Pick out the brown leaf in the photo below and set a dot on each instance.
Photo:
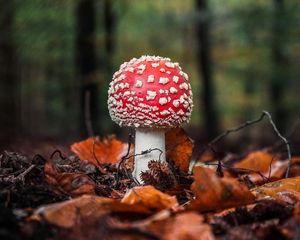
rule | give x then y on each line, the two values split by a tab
287	190
213	192
151	198
189	226
74	184
179	148
261	161
100	151
67	213
295	167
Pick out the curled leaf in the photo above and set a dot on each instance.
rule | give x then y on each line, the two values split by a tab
179	148
74	184
65	214
265	163
287	190
189	225
213	192
100	151
151	198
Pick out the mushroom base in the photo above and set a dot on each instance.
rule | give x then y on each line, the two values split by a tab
152	140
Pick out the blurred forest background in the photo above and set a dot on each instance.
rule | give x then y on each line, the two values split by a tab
57	59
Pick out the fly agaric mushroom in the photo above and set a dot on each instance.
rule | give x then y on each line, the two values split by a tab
151	94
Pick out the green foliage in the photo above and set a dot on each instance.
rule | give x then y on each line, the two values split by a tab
241	34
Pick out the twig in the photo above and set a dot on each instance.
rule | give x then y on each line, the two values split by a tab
147	152
244	170
290	132
59	153
123	158
20	177
101	170
128	156
23	174
284	140
227	132
247	124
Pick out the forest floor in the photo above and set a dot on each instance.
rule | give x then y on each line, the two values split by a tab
87	192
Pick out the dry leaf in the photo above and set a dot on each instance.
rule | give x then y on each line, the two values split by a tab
295	167
65	214
74	184
100	151
179	148
151	198
189	226
261	161
213	192
287	190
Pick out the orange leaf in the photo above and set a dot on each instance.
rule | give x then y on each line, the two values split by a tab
213	192
74	184
261	161
179	148
287	189
150	197
100	151
188	225
295	167
67	213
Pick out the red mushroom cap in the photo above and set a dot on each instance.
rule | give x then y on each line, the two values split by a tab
150	92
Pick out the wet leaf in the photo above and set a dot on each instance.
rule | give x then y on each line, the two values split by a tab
74	184
67	213
179	148
261	161
213	192
100	151
151	198
287	190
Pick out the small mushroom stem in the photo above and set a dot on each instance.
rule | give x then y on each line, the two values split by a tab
146	139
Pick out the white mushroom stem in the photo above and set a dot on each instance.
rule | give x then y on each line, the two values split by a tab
148	139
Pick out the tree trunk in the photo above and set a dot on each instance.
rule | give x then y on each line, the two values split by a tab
109	24
86	66
9	95
278	74
205	68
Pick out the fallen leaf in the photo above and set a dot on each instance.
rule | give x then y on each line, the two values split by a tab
100	151
74	184
179	148
262	161
295	167
213	192
67	213
207	156
151	198
189	226
287	190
